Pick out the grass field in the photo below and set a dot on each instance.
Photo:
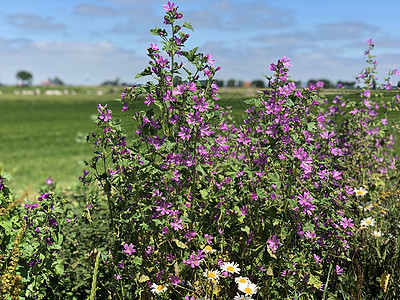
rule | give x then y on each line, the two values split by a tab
42	136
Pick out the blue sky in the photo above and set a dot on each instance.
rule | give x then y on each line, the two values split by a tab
90	41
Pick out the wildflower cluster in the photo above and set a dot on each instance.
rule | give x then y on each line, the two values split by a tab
287	204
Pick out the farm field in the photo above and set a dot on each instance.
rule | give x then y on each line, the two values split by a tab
44	135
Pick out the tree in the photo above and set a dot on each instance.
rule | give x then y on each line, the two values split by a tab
219	82
230	83
178	80
258	83
56	81
25	77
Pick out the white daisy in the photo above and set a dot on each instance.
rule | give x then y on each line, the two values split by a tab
209	249
240	297
158	288
367	206
377	233
230	267
360	192
241	280
212	275
248	288
368	222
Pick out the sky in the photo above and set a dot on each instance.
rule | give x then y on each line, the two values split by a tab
86	42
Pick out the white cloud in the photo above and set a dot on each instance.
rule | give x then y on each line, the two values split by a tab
91	10
32	22
72	62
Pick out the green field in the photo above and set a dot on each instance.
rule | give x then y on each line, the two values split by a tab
42	136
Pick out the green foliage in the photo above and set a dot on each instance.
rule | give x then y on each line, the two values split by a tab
298	201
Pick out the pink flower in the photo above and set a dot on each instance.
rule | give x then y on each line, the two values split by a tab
346	222
370	42
169	6
367	93
176	224
210	60
338	270
129	249
273	243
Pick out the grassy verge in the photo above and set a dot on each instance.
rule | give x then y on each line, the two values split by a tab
43	136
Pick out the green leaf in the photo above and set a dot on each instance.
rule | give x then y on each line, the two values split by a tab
59	238
311	126
246	229
271	253
138	260
6	223
253	102
188	26
314	281
180	244
204	194
269	271
275	179
144	278
200	169
58	267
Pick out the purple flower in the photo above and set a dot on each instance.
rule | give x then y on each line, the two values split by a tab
49	181
273	243
209	238
336	174
31	263
346	222
194	260
305	201
184	134
310	235
318	260
117	277
52	222
48	241
169	6
105	114
149	250
176	224
336	151
338	270
129	249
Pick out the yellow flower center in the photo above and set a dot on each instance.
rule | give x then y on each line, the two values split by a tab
242	280
211	274
230	269
368	222
248	290
160	287
208	248
359	192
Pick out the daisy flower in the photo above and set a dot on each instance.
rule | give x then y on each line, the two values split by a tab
240	297
212	275
368	222
360	192
377	233
209	249
367	206
242	280
230	267
158	288
248	288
